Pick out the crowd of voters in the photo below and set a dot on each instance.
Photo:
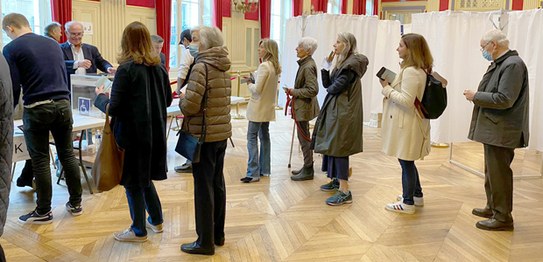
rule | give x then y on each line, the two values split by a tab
38	70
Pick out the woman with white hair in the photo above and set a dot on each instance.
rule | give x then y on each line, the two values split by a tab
338	130
261	110
304	103
208	92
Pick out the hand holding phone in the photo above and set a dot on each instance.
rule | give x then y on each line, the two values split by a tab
330	56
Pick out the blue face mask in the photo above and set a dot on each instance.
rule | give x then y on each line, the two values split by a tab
193	49
487	55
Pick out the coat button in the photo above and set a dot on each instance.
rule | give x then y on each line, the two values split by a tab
390	117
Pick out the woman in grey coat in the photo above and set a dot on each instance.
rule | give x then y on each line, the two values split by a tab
6	142
338	131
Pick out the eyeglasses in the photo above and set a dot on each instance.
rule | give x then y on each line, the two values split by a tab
483	48
75	34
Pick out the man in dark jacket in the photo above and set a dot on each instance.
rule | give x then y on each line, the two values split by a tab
500	122
37	65
6	142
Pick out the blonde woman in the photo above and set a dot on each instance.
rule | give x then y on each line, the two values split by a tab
261	110
405	133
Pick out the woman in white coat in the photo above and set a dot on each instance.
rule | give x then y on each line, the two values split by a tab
405	133
261	110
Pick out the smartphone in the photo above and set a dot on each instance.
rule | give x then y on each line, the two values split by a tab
331	56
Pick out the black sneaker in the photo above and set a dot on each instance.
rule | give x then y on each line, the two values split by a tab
35	218
75	211
333	185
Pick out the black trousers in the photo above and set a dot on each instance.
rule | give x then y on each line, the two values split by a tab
499	181
210	193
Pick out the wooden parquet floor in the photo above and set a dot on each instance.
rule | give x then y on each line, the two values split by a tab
277	219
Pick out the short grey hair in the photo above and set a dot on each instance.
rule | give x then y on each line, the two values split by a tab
498	36
72	23
309	44
210	37
157	39
49	28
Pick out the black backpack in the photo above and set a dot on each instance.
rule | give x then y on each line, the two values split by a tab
434	99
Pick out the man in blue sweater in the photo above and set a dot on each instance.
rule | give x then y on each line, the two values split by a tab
37	66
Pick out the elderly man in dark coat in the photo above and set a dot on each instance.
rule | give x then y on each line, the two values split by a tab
6	142
499	121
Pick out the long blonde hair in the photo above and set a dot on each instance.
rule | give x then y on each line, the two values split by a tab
350	47
418	52
136	45
272	53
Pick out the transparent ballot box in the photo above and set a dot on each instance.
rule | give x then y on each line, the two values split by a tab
83	93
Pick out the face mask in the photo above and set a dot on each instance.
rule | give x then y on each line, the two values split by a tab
193	49
487	55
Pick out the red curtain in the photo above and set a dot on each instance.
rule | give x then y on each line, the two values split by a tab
320	5
344	6
163	25
443	5
359	7
217	10
265	18
297	7
376	8
62	13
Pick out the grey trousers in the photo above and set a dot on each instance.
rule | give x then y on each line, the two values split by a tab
499	181
303	130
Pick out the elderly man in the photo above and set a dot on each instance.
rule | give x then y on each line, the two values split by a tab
53	30
37	66
158	43
500	122
82	58
304	103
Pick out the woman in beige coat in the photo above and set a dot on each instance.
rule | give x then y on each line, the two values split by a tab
405	133
261	110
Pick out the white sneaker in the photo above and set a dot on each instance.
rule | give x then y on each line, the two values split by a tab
419	201
128	236
400	207
157	229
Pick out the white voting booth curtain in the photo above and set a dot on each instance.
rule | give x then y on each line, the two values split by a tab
525	32
324	28
454	39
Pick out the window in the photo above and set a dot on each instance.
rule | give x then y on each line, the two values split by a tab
369	7
38	13
186	14
280	12
334	6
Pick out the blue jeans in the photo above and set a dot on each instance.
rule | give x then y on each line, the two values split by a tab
258	164
139	200
55	117
410	181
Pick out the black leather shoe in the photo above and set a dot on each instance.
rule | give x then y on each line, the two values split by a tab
495	225
195	248
21	182
295	172
482	212
219	241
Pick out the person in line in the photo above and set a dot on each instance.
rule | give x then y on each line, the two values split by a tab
158	43
338	130
6	143
188	53
209	74
500	121
37	65
261	110
53	30
405	132
304	103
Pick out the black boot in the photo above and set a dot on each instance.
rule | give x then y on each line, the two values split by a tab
306	174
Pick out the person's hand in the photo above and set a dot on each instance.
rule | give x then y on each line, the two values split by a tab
287	90
85	63
469	94
383	82
99	90
112	70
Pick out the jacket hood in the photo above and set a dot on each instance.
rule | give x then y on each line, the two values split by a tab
358	63
216	57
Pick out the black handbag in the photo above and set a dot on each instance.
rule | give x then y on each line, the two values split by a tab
188	145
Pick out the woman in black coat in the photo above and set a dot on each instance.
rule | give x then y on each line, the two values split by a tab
139	98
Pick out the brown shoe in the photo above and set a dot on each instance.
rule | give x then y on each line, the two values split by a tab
482	212
495	225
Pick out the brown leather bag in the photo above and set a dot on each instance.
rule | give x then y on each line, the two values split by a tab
108	166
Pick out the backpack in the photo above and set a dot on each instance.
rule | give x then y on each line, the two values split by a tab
434	99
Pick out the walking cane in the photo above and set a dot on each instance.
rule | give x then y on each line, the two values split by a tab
291	143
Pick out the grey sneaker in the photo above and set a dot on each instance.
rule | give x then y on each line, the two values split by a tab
333	185
75	211
128	236
340	198
35	218
419	201
156	228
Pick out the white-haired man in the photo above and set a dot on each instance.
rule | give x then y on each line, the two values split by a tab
500	122
304	103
